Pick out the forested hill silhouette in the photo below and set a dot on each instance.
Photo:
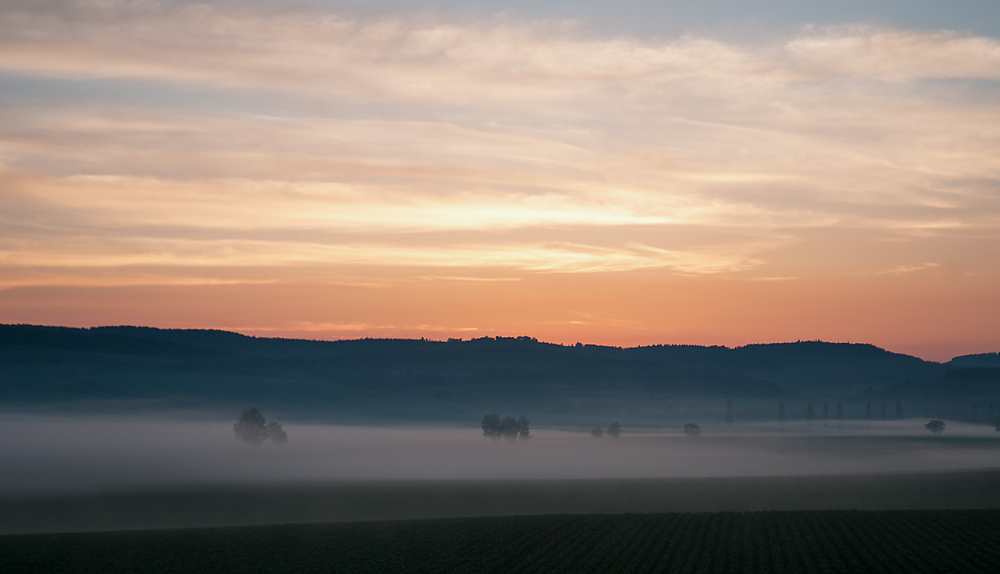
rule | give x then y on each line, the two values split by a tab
419	379
984	360
807	366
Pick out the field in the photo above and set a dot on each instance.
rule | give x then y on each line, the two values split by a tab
910	541
193	506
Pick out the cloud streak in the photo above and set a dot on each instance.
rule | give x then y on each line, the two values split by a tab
411	57
557	257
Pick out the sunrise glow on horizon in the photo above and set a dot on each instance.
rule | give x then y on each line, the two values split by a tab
325	171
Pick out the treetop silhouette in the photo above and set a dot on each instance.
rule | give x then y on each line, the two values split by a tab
252	428
508	428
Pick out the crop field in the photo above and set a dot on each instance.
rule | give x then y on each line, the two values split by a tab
905	541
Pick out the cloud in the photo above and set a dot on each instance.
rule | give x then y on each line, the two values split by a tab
541	257
417	57
867	51
328	139
901	269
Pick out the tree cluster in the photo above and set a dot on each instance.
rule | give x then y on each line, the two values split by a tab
692	429
508	428
614	431
251	428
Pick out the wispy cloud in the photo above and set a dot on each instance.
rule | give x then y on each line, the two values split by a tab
429	142
867	51
536	257
901	269
414	57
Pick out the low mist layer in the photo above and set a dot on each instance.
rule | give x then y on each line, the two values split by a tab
48	455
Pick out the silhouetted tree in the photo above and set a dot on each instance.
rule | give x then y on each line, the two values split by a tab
868	411
975	412
509	429
993	416
597	432
826	412
522	428
275	432
882	413
615	430
899	410
729	413
491	426
251	428
781	412
840	411
935	426
692	429
810	413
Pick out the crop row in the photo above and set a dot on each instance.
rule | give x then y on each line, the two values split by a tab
821	542
903	542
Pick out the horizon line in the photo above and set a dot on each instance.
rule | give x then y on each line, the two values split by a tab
518	338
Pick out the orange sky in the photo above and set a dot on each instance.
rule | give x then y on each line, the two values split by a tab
330	176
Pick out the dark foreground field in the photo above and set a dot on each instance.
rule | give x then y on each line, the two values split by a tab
909	541
298	503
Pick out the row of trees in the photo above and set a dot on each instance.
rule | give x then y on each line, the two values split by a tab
825	415
935	426
511	429
991	417
507	429
883	414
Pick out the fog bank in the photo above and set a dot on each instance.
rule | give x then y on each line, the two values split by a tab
50	455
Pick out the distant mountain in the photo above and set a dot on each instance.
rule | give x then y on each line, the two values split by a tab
980	360
811	368
379	380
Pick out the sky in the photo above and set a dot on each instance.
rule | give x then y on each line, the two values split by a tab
720	172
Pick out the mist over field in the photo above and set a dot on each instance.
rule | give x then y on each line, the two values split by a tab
51	455
118	428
